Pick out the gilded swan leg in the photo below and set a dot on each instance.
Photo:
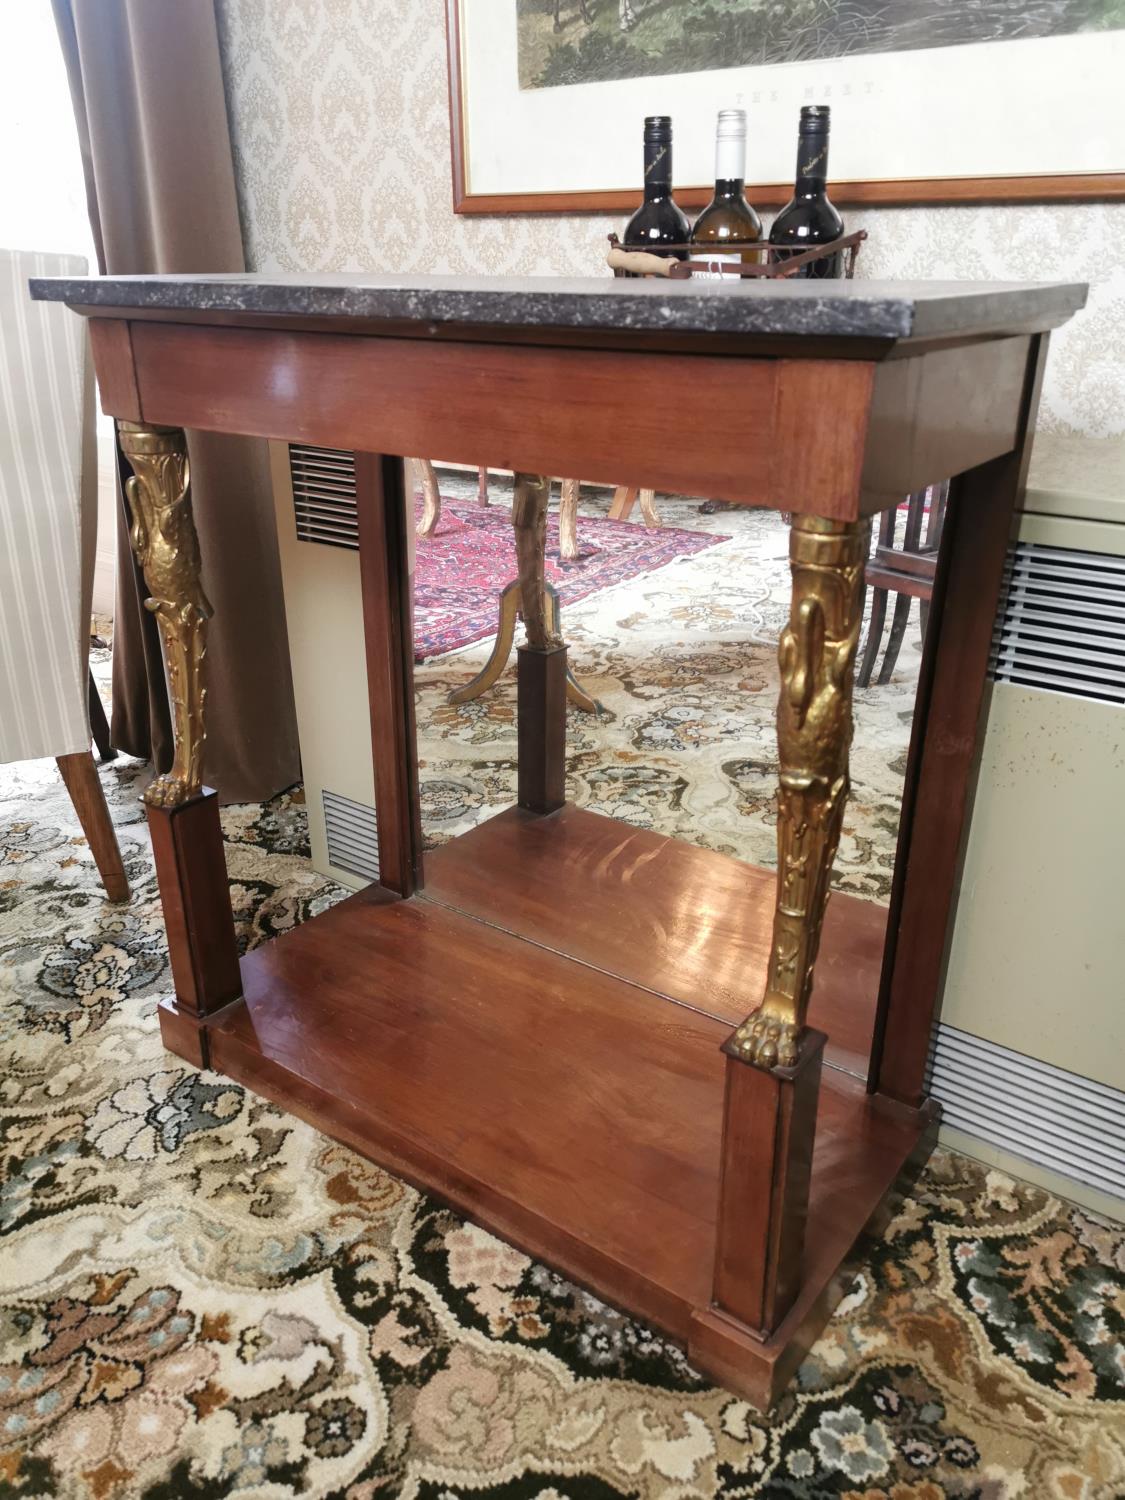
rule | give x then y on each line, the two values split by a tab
814	729
167	548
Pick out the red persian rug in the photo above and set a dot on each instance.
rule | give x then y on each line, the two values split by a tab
463	566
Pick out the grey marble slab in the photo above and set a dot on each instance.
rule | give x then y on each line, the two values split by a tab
886	310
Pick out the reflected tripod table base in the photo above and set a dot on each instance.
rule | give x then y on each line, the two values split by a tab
493	669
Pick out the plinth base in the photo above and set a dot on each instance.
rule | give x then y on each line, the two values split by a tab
568	1107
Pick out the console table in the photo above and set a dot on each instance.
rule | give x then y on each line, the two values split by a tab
605	1045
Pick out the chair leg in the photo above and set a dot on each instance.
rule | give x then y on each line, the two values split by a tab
624	497
874	637
568	520
894	640
88	796
482	487
649	511
99	727
431	497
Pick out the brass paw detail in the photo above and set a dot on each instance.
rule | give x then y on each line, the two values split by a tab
168	791
767	1042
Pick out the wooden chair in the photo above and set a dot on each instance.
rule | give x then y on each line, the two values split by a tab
623	501
906	571
47	498
431	494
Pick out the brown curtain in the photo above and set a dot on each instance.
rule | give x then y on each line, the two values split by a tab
147	86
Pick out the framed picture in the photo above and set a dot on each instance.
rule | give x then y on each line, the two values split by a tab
962	101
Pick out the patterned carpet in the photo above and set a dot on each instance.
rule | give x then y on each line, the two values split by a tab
470	556
201	1297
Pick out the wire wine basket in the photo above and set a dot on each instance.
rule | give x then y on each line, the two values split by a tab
625	262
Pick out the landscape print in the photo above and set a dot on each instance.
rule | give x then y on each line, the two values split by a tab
589	41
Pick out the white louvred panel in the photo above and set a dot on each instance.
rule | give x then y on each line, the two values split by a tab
1058	1120
1061	625
351	834
324	500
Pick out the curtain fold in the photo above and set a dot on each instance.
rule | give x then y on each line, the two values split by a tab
147	86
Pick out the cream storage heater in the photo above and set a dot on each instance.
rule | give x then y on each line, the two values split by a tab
1029	1053
314	494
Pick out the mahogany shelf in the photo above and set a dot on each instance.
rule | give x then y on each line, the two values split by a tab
686	923
577	1113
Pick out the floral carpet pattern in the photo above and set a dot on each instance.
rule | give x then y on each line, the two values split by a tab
201	1296
463	564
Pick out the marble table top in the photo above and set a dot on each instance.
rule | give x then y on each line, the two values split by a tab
880	310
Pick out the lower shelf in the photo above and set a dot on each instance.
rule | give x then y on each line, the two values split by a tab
572	1111
683	922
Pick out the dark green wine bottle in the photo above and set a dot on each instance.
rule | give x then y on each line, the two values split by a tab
659	221
809	219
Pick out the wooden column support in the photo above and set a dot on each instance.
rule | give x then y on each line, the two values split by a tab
541	742
944	747
542	678
388	627
769	1125
191	872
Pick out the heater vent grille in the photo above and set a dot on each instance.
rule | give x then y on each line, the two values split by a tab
1061	625
1056	1119
324	501
352	835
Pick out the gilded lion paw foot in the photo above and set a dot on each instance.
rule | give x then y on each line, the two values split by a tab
168	791
767	1042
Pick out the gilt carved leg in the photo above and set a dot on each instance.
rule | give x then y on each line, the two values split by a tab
183	814
167	548
814	730
773	1058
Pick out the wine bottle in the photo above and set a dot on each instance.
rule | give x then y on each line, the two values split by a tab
728	221
809	219
659	221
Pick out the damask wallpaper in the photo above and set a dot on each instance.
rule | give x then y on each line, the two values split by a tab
341	135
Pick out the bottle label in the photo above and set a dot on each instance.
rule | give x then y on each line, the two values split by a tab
658	165
715	263
812	157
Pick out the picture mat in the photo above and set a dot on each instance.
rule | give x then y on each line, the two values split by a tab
994	109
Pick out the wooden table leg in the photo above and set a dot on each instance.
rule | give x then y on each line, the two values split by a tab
541	753
941	764
773	1060
388	628
183	815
